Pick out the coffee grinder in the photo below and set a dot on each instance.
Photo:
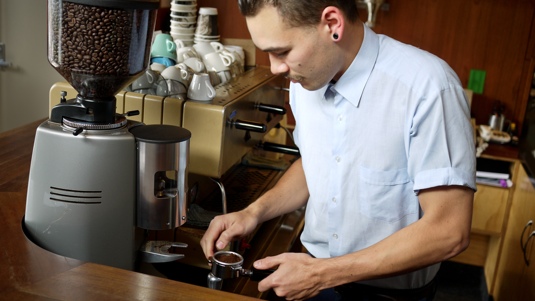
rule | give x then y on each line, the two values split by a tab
98	181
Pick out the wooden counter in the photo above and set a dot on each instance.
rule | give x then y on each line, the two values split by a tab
31	273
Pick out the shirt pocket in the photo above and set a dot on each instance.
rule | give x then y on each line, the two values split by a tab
386	195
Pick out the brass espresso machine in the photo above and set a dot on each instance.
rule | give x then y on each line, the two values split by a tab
100	182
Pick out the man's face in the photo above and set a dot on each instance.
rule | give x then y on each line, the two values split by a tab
299	53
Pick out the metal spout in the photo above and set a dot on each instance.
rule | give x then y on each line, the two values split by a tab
214	282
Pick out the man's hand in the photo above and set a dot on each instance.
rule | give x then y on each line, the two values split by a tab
297	275
225	228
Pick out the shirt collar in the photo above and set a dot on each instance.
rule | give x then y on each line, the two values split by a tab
352	82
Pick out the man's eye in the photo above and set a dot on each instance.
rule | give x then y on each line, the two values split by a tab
281	54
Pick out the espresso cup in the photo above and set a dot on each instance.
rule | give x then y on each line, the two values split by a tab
214	78
157	67
203	48
185	53
237	50
163	47
216	62
178	73
224	76
176	88
201	88
195	64
145	81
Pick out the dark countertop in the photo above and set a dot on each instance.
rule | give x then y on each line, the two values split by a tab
501	151
31	273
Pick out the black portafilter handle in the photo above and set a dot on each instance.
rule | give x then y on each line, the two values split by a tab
258	275
273	109
280	148
247	125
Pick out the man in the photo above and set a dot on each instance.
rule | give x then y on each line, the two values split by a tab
387	167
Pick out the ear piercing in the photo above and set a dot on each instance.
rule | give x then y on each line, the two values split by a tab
335	36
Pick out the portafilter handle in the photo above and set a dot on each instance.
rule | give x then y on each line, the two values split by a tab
256	274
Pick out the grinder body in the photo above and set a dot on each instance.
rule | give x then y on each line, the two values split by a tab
81	199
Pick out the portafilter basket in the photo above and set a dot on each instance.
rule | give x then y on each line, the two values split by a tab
228	265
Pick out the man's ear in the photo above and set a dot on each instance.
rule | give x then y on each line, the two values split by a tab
332	21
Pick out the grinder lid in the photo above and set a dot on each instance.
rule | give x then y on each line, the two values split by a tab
124	4
160	133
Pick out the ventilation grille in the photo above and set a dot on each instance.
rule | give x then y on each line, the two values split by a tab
75	196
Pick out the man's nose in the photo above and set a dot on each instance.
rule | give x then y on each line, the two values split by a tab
278	66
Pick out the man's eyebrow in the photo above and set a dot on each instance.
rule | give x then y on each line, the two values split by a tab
274	49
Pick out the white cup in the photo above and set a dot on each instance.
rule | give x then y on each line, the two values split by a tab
184	53
157	67
161	88
217	46
182	30
200	88
145	80
183	7
181	37
186	74
179	43
224	76
214	78
195	64
215	61
204	48
176	88
172	72
236	49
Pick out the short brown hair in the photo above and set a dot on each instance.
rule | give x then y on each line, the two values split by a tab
298	13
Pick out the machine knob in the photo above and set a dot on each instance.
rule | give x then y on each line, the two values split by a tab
132	113
63	98
249	126
273	109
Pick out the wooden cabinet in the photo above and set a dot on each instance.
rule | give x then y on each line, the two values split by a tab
515	279
490	205
489	221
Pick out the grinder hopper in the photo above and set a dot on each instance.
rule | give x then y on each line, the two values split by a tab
98	47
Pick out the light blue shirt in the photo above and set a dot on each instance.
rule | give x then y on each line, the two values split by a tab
396	122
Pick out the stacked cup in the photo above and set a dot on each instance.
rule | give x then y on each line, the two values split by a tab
183	20
207	26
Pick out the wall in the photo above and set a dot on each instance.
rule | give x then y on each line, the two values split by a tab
491	35
24	86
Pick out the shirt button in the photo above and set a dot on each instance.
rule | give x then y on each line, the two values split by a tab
334	200
338	159
335	236
340	118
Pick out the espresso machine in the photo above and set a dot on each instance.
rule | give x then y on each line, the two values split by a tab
98	181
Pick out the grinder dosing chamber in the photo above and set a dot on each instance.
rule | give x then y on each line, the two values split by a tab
162	160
